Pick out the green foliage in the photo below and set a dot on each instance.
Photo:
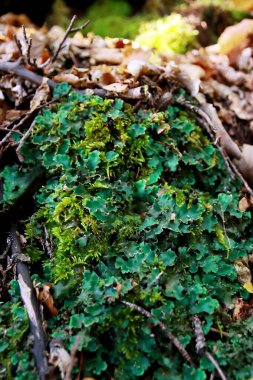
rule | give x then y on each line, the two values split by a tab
168	34
15	364
139	208
117	20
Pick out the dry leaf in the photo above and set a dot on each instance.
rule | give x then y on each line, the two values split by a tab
106	55
245	163
45	297
235	36
189	75
245	203
116	87
243	270
59	357
248	286
241	310
41	95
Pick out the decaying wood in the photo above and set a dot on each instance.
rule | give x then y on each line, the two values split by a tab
30	301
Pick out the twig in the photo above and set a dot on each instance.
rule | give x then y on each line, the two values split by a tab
30	301
220	332
22	72
81	27
232	169
14	129
68	30
201	345
74	350
25	136
164	329
5	252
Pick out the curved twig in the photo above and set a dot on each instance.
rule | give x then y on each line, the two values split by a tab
201	345
164	329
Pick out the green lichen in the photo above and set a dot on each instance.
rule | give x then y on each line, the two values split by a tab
138	207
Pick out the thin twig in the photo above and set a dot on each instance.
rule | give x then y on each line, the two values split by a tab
68	30
216	365
5	252
162	326
81	27
220	332
74	351
201	345
30	301
25	136
13	130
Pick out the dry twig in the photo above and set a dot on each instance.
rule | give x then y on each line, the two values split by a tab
164	329
201	345
30	301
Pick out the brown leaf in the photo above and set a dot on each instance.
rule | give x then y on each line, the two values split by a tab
243	270
245	203
41	95
190	76
116	87
106	55
45	297
242	310
71	79
245	163
15	20
235	36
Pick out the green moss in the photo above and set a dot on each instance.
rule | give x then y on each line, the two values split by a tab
168	34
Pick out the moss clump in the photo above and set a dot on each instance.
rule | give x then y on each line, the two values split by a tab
168	34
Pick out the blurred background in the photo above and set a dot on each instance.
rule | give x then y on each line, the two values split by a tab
164	24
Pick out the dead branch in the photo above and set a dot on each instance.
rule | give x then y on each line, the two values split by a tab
201	345
25	136
164	329
17	69
73	354
68	30
224	333
231	167
30	301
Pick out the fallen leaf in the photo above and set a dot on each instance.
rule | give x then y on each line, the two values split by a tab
45	297
59	356
243	270
15	20
41	95
116	87
245	203
245	163
248	286
235	36
190	76
242	310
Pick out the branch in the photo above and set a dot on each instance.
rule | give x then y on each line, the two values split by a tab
30	301
68	30
201	345
164	329
17	69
